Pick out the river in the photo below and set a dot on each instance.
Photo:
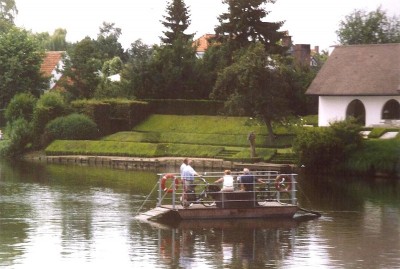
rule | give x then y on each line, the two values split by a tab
59	216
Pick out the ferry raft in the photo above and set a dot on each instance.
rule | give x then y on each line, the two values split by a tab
272	196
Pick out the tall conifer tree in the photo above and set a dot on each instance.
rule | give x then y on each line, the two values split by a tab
176	21
244	24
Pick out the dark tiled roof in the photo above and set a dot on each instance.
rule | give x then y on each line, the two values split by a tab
360	70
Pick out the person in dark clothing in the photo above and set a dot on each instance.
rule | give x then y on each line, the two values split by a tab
247	180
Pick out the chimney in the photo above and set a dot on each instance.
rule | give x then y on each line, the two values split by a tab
302	54
287	41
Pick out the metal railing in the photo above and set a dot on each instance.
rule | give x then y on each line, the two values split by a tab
270	186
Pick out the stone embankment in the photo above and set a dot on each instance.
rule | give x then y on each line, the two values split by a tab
163	164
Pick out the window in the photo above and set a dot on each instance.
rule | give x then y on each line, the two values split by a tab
391	110
356	110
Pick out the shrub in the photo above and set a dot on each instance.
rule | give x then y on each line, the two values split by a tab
376	156
50	106
20	106
20	138
348	132
112	115
74	127
317	148
327	148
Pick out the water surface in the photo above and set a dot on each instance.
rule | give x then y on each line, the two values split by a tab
58	216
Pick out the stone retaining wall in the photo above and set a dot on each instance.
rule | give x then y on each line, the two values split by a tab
163	164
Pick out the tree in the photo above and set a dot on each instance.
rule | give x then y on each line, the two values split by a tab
49	106
107	87
8	10
20	61
374	27
55	42
107	42
171	72
244	24
85	59
82	66
136	72
175	71
20	106
177	21
254	86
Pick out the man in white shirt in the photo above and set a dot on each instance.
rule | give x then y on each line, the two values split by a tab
183	165
188	175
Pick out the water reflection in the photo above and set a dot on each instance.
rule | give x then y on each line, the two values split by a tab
227	243
64	216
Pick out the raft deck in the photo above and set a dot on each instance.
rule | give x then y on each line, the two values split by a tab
228	205
198	211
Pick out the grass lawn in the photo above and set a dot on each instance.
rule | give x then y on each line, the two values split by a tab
173	135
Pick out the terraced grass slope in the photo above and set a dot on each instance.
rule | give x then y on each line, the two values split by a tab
172	135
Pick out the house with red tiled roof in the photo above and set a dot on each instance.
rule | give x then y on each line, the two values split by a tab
302	53
202	44
360	81
51	66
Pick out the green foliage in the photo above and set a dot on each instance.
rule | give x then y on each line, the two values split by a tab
55	42
237	140
97	110
376	132
185	107
327	149
251	27
112	67
215	59
20	134
8	10
201	124
189	141
137	73
20	61
166	72
106	112
106	87
74	127
86	58
107	44
374	27
253	85
81	66
298	77
21	106
174	74
318	149
348	132
115	148
265	154
49	106
109	89
176	22
169	71
310	120
376	156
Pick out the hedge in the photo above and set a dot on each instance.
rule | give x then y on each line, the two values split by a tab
185	107
113	115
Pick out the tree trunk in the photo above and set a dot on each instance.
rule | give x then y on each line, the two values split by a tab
271	136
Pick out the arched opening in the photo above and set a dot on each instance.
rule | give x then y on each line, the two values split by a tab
391	110
356	110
